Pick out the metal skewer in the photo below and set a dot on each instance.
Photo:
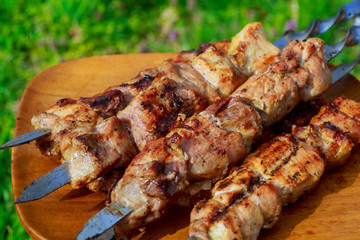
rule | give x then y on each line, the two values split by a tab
337	74
49	182
316	27
106	218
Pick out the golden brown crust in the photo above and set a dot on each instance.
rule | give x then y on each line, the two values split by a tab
277	173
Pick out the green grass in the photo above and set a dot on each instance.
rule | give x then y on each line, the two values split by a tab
35	35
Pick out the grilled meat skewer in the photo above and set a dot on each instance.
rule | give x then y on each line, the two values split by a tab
277	173
191	158
89	152
199	63
316	27
145	128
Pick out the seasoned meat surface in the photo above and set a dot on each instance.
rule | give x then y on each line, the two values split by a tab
92	154
156	102
208	144
287	81
69	114
250	50
217	69
277	173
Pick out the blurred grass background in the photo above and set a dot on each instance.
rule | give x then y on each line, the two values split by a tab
38	34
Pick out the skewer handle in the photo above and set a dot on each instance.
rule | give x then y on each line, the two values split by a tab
317	26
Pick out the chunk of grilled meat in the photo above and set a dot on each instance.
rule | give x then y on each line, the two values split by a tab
164	105
69	114
277	173
299	116
191	88
202	151
178	91
106	146
288	81
106	182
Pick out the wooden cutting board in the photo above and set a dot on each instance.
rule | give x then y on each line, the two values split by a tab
331	211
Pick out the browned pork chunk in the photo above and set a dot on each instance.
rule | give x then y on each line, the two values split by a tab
178	91
68	114
195	155
277	173
94	153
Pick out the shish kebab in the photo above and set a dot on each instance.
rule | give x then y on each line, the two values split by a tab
316	27
50	147
276	174
121	149
88	155
173	169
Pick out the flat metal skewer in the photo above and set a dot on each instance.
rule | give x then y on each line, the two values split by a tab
25	138
100	223
316	27
46	184
337	74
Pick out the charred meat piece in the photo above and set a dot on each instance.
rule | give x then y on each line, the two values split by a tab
277	173
284	83
69	114
177	92
94	153
208	144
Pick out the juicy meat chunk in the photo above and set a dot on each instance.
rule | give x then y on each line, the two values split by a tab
160	108
211	150
69	114
185	75
286	82
277	173
241	205
90	154
218	70
292	166
337	117
159	161
251	51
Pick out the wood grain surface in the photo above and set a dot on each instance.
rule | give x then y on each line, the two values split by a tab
331	211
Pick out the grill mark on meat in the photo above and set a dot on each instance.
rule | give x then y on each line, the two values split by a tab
142	83
157	167
224	184
196	123
234	198
65	101
175	138
197	51
146	105
331	127
287	159
294	177
110	100
254	182
176	101
165	124
86	139
220	151
202	47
